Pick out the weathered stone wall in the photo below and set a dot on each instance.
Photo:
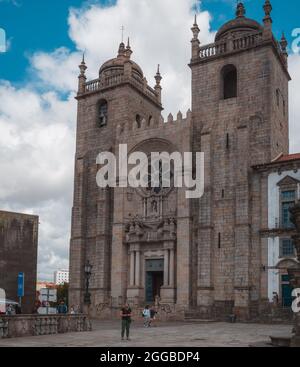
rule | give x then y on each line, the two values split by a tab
18	253
236	134
92	214
34	325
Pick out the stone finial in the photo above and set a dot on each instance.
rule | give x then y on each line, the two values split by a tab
82	66
267	9
283	44
82	77
128	49
157	87
122	50
158	77
195	29
170	118
195	41
189	114
240	10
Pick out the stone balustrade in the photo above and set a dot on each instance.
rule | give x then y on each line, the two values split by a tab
230	45
116	79
34	325
213	49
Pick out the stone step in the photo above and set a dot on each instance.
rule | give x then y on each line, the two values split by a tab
198	320
261	345
281	341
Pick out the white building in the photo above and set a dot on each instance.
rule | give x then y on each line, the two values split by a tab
61	277
283	188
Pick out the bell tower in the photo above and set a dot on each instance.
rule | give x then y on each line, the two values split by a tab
118	100
240	117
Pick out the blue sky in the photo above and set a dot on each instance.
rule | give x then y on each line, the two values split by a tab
33	25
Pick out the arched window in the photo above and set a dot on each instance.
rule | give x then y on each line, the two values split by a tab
102	113
229	78
138	120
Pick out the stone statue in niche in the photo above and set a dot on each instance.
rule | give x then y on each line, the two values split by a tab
154	206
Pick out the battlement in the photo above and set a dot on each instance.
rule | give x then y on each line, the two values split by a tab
152	124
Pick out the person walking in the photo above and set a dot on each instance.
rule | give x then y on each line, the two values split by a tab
146	315
126	320
153	313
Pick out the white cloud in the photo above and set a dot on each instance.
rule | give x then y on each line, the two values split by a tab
37	148
37	130
159	34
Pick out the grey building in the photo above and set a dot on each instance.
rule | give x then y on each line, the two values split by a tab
201	256
18	253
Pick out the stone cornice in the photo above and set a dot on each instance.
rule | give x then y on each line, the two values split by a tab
279	166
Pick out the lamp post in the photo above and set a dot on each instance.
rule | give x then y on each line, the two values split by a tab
87	272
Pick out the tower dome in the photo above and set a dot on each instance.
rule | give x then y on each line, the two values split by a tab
116	66
239	25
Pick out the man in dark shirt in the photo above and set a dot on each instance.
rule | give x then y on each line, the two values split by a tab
126	320
62	308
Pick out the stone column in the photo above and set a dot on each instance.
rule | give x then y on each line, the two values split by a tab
137	267
118	251
166	268
131	268
168	289
134	290
172	268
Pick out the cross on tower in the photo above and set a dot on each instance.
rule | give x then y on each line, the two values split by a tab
122	30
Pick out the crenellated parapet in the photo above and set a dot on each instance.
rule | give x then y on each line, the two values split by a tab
153	125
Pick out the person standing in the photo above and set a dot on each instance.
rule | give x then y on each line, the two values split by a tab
62	308
146	315
126	320
18	309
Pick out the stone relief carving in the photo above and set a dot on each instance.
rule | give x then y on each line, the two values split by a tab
140	230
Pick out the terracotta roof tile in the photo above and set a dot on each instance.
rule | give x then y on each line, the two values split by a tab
288	157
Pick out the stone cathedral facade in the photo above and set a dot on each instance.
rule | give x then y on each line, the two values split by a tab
201	256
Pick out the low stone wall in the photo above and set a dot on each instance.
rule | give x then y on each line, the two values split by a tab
295	342
34	325
165	312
